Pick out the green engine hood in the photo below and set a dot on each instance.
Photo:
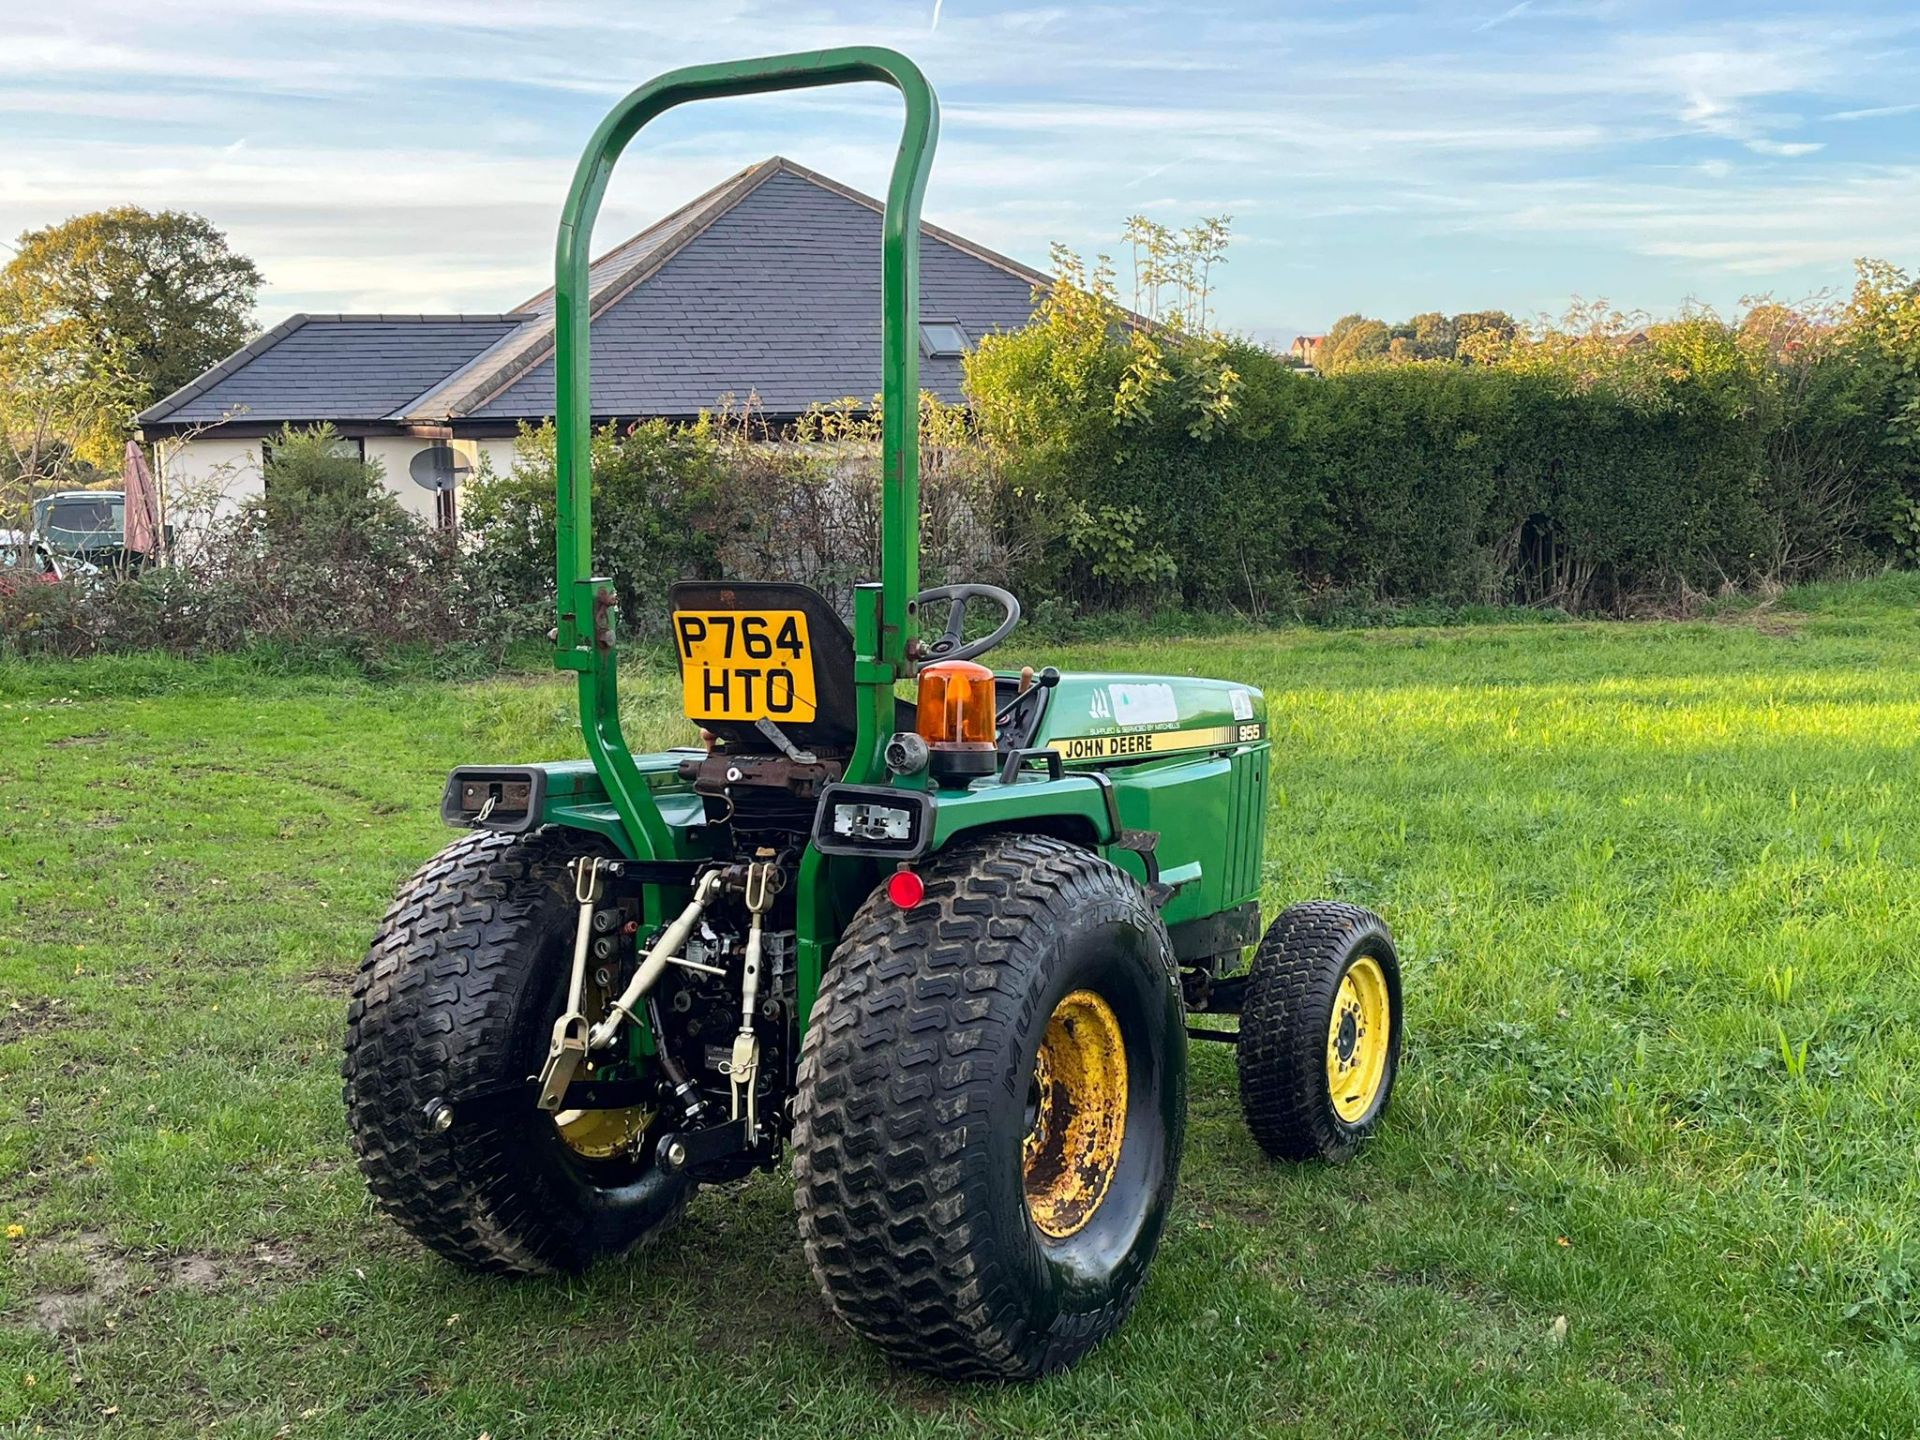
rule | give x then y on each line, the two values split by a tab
1101	717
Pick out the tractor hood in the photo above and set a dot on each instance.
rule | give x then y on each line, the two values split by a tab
1102	717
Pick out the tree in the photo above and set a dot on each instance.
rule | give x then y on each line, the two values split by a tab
1180	261
1432	336
1338	332
55	390
125	305
1882	319
1354	340
1492	326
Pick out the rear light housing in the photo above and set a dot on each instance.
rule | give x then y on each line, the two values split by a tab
876	820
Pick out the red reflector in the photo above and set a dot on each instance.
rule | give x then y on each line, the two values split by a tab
906	889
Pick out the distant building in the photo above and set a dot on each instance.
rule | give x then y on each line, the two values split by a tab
767	286
1306	349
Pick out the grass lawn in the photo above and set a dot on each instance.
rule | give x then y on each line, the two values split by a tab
1653	1168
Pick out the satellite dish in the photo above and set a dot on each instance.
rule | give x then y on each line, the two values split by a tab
438	467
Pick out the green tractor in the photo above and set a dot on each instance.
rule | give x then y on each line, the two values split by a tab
943	950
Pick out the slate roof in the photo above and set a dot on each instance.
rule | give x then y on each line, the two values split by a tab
768	284
335	367
778	296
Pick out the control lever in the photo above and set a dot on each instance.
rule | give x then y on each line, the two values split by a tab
785	746
1030	694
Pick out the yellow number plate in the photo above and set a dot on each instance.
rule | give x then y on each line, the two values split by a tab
745	664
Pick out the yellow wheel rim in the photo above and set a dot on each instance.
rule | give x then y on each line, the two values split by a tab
1077	1115
601	1134
1357	1039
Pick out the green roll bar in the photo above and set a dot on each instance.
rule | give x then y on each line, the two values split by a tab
882	613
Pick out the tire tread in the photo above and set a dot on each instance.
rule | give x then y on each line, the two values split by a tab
431	1016
1281	1051
891	1078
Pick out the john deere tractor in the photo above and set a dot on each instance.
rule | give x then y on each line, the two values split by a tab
941	951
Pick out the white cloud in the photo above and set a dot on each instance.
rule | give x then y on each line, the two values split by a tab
1512	12
1875	112
1758	230
146	107
412	154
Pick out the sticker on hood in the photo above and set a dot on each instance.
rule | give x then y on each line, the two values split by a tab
1143	704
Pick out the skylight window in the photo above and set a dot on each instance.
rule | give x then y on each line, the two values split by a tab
943	338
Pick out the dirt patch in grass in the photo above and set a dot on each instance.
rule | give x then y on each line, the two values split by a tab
332	984
194	1272
31	1016
101	1271
198	1270
102	1278
1231	1207
1781	624
68	742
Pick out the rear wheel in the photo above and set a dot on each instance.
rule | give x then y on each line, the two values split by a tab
1319	1045
454	1006
991	1106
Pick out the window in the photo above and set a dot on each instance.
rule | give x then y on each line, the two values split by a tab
86	516
79	522
943	339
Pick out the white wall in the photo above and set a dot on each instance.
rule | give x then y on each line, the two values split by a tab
206	477
394	452
499	453
210	476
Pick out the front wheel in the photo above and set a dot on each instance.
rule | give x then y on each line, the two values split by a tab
1319	1045
991	1107
454	1008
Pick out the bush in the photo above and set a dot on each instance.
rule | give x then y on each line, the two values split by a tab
325	565
658	516
1110	465
725	497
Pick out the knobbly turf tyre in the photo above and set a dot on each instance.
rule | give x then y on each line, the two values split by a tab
918	1135
1291	1036
457	998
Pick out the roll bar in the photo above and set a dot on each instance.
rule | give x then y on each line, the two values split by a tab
584	637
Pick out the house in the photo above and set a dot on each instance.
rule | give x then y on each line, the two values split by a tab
767	286
1306	349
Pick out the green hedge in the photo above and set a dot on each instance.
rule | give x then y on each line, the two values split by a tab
1108	468
1591	470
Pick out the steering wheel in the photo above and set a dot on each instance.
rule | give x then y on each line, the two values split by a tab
950	645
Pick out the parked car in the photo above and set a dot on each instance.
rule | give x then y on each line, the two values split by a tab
88	525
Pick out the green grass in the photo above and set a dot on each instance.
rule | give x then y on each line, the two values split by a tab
1654	1166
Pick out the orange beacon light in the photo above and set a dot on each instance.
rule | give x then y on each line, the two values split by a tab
955	717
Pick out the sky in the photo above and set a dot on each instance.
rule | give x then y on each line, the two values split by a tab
1388	158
